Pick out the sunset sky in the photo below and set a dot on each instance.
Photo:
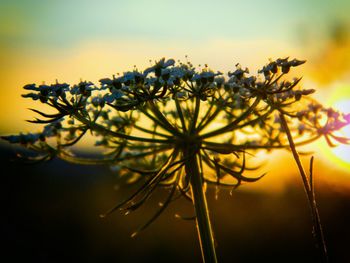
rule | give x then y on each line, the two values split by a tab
73	40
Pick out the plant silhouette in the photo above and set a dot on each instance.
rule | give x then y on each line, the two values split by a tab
184	128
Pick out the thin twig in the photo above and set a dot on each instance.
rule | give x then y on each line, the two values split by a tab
308	186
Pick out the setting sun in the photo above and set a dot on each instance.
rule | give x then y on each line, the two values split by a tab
340	101
343	151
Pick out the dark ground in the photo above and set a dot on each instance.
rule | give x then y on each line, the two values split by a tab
50	214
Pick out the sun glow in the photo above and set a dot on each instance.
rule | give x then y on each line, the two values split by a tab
343	151
340	100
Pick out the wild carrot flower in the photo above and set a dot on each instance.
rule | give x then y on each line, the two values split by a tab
200	126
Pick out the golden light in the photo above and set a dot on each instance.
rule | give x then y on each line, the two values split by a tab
343	151
340	100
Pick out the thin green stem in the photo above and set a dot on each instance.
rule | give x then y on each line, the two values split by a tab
161	117
233	124
181	116
212	117
236	147
102	161
104	130
152	132
81	134
155	120
195	115
254	121
205	232
308	186
201	124
207	119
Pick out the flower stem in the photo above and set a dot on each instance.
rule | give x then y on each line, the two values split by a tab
204	229
308	186
231	126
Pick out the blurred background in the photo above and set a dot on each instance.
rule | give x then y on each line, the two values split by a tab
50	211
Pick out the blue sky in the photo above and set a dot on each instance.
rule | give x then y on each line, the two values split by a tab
64	23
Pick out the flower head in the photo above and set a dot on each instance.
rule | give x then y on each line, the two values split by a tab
160	123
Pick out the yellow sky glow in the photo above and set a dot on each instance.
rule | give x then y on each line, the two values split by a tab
94	42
